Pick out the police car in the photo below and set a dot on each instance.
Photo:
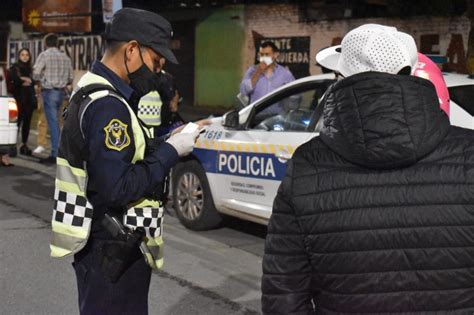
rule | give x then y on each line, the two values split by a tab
238	163
8	125
461	93
240	160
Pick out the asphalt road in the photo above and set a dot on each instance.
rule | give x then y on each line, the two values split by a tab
213	272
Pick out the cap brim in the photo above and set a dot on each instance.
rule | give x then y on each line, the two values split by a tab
166	53
329	57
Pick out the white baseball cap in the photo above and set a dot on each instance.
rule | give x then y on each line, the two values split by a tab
371	47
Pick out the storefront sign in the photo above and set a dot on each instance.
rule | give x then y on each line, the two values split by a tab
56	16
82	50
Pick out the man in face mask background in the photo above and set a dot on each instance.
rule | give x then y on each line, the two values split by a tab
266	76
106	165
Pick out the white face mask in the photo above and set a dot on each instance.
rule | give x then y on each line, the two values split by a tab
266	60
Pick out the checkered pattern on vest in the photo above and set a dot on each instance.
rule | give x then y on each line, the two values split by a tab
71	209
147	217
148	110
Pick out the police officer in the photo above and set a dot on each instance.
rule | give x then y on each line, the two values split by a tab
158	108
149	109
106	168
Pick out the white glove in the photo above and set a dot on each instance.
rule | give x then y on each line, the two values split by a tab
183	143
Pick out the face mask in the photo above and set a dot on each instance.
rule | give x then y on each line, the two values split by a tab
141	80
266	60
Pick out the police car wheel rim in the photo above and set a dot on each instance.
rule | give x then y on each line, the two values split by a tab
190	196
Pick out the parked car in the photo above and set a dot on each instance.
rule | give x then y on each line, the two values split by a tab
461	93
238	163
8	125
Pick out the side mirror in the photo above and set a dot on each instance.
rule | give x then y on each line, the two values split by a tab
231	119
244	100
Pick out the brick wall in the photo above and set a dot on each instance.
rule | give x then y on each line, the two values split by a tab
439	35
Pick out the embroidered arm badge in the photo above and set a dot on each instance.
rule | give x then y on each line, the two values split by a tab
116	135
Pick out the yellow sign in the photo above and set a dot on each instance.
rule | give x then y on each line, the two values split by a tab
34	18
58	16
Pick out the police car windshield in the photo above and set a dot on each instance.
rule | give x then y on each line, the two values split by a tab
292	95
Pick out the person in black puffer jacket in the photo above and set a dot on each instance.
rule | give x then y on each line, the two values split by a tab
376	215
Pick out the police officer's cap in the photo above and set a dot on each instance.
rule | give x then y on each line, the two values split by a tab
147	28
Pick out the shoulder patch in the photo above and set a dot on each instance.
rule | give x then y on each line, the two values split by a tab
116	135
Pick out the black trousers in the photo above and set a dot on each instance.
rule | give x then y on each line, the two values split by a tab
97	295
26	102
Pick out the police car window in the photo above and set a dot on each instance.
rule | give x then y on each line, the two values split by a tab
292	113
464	97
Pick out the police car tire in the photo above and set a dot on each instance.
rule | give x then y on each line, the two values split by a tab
208	218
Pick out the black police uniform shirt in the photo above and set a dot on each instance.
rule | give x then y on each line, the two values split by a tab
113	181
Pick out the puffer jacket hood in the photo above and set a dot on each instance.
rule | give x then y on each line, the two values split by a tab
383	121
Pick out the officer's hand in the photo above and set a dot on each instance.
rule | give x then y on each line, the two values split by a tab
183	143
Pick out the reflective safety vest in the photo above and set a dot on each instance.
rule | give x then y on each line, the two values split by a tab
72	213
149	109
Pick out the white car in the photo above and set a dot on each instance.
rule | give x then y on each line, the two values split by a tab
461	94
8	125
239	162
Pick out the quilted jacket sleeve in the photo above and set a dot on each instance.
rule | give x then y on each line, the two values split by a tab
286	281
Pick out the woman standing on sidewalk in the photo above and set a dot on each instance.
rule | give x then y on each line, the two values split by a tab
24	93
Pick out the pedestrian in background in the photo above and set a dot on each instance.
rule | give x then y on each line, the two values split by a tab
265	77
53	68
375	215
24	93
42	125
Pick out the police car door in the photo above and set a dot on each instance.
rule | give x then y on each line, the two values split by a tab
252	158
